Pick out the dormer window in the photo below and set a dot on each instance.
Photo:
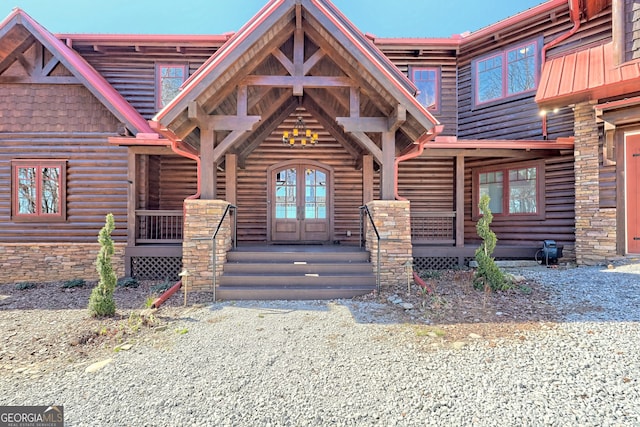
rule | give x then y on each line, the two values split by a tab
169	78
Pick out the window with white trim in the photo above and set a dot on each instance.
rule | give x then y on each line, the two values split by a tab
169	78
507	73
38	190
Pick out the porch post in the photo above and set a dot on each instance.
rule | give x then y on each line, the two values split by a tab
388	184
201	220
208	168
367	178
231	176
393	222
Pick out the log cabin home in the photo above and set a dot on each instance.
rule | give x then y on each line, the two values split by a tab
301	158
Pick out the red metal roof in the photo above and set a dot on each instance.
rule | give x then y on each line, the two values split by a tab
81	69
588	74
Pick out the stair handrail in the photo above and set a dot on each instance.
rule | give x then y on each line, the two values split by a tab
365	209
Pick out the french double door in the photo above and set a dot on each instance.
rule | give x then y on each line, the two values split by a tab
300	203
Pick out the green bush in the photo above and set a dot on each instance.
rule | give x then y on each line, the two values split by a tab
74	283
101	302
488	276
128	282
161	287
25	285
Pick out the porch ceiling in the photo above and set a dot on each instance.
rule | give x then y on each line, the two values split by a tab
297	57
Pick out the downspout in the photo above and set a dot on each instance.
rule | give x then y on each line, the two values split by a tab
574	13
175	147
415	152
412	154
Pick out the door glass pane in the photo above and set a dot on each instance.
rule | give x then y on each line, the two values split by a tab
286	200
315	194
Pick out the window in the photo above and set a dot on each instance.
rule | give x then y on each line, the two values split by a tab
427	80
507	73
39	189
515	190
169	78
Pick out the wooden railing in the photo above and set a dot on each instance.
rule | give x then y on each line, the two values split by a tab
158	226
433	228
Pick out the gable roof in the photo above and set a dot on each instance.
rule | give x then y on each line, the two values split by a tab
589	74
274	17
80	68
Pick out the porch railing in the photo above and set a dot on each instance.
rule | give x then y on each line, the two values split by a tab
159	226
433	227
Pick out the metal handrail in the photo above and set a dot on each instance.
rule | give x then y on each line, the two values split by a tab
363	210
214	246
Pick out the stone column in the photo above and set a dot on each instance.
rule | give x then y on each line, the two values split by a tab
200	222
595	226
393	221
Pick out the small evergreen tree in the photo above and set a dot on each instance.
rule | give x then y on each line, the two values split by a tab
101	302
488	275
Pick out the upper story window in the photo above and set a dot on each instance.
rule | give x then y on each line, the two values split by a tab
509	72
169	78
39	190
514	190
427	80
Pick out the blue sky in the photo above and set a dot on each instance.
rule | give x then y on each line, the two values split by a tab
397	18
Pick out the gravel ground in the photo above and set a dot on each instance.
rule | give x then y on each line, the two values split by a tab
353	363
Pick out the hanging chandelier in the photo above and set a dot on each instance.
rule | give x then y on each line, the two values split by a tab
300	134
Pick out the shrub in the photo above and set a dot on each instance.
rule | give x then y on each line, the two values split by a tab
25	285
161	287
101	302
128	282
73	283
488	276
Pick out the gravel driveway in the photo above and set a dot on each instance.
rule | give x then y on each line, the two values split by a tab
352	363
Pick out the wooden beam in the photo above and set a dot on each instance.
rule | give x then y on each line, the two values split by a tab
367	178
292	81
354	102
242	101
226	144
485	152
398	118
298	54
364	124
312	61
208	167
282	58
231	177
459	200
388	184
220	122
49	66
10	59
369	145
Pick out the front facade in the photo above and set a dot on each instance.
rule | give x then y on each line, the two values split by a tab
168	132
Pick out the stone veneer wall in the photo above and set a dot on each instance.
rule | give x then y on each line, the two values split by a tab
393	221
53	262
200	222
595	227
